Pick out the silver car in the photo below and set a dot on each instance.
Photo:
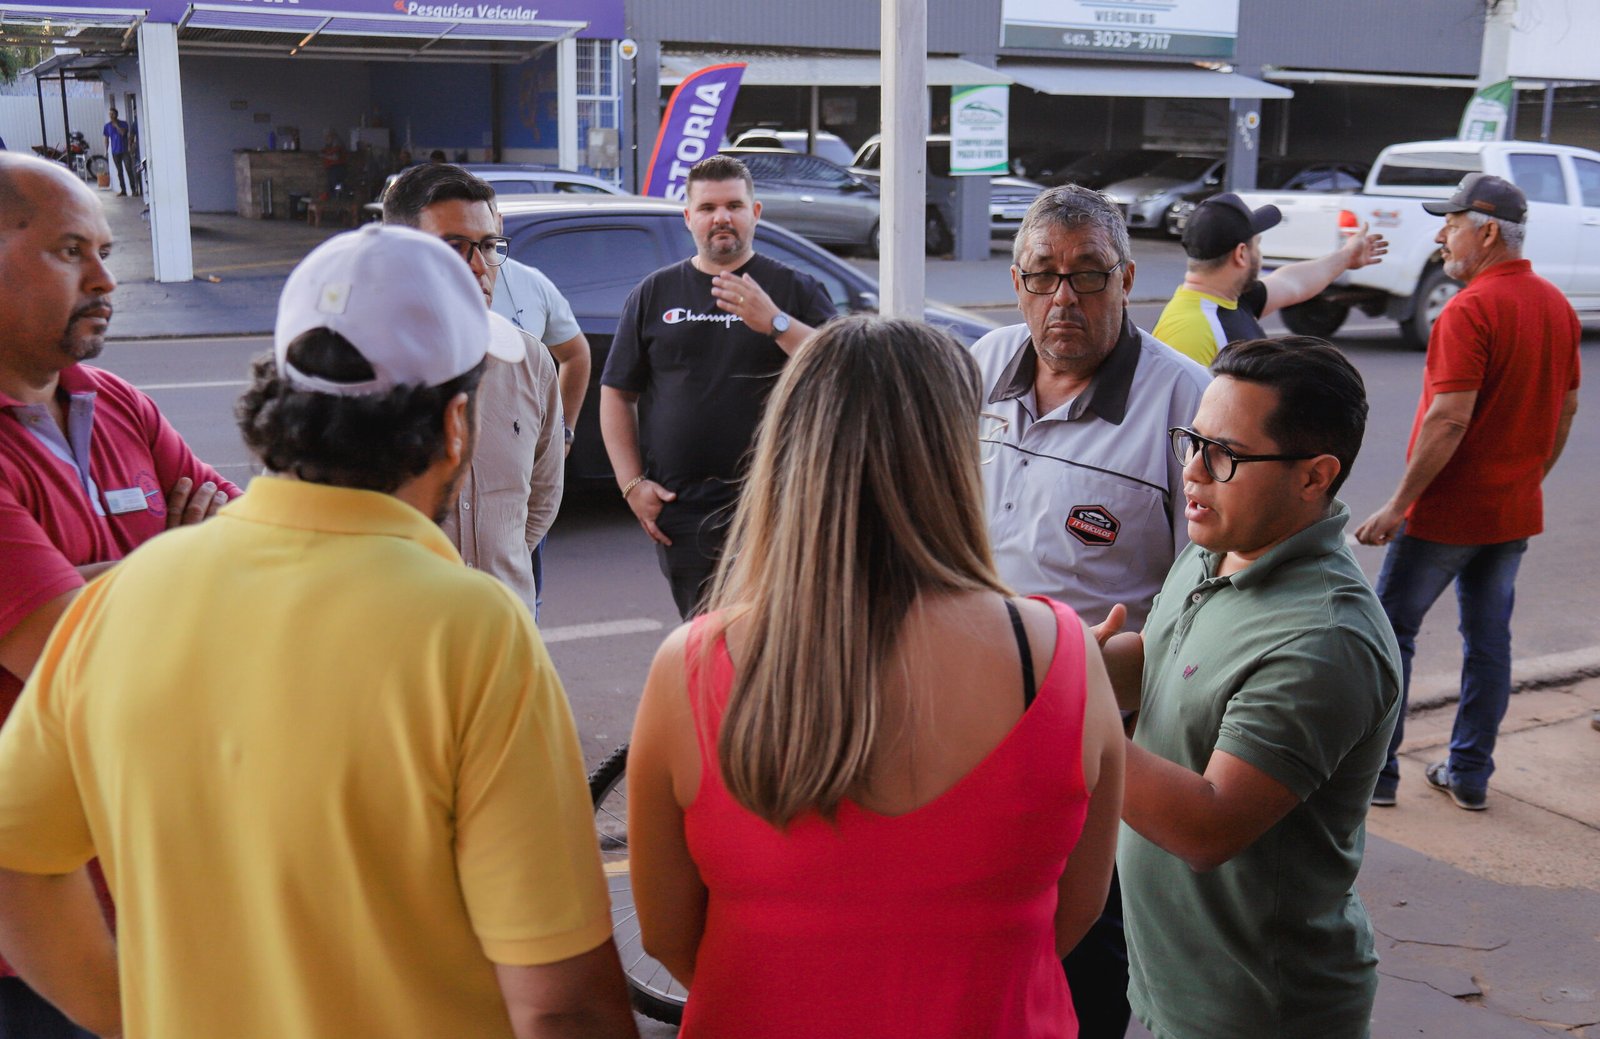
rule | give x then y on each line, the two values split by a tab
813	197
516	180
1145	199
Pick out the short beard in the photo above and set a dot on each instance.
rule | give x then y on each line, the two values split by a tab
81	348
715	252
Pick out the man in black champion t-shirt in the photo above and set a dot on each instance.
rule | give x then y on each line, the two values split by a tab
699	345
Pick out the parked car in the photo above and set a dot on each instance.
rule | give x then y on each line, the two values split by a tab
1097	169
829	146
514	180
1279	175
1410	286
597	248
1145	199
1009	197
1042	164
814	197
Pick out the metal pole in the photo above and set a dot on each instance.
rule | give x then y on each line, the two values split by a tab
66	125
38	88
816	120
1549	111
903	228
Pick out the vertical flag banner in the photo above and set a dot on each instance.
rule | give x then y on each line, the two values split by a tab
692	128
979	117
1488	112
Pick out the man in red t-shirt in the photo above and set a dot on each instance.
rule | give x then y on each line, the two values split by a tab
1500	387
89	469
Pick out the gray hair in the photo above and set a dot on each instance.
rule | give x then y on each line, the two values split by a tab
1512	234
1069	206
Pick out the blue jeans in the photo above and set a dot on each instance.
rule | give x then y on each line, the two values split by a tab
1414	573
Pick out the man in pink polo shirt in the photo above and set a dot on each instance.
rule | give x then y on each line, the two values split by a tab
89	469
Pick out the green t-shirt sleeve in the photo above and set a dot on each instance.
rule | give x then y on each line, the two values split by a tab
1305	706
1184	328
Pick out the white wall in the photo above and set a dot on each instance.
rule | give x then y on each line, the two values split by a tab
312	95
19	120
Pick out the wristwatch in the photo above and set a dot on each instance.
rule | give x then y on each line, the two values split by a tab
780	324
567	434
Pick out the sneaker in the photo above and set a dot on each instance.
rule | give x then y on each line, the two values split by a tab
1383	794
1438	776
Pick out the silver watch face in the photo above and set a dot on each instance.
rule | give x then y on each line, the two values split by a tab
780	324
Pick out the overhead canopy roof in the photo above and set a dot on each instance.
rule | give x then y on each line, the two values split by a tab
302	33
827	70
1137	81
88	30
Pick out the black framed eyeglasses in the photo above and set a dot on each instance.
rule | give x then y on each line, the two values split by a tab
1084	283
494	249
1219	459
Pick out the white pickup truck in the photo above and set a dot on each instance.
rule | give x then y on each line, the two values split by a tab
1563	188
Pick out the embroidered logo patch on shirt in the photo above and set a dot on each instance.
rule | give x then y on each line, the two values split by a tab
1093	525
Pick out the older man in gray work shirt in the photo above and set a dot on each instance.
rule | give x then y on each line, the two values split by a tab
1084	498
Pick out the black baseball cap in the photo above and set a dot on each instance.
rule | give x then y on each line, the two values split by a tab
1222	222
1487	194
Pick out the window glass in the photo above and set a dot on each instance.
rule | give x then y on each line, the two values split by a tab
595	267
813	170
568	187
1588	180
1427	169
1539	177
777	249
764	167
517	187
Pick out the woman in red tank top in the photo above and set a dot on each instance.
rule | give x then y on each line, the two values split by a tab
871	794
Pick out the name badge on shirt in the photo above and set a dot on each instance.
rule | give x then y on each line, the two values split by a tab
130	499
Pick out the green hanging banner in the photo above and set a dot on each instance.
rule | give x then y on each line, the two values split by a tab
1488	114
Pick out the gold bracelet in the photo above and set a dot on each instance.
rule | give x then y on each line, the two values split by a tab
630	485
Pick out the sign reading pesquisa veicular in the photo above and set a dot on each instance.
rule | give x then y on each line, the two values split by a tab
604	18
1168	28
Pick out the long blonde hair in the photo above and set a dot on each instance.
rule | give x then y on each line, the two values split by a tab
864	493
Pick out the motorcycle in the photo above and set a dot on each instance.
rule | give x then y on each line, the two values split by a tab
76	157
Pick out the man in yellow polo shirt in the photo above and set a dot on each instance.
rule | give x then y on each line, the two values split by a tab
1223	296
329	770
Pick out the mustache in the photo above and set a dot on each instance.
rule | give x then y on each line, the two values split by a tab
98	303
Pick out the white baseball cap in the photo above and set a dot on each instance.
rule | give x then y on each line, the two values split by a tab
403	299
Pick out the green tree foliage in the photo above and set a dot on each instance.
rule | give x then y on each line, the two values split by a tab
15	60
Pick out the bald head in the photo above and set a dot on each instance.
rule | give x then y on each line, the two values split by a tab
31	186
55	288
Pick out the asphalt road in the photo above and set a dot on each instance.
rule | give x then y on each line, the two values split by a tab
607	607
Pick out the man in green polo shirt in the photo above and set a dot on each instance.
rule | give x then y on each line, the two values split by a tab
1271	684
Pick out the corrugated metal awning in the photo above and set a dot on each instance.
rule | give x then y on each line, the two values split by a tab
1084	80
821	69
87	30
303	33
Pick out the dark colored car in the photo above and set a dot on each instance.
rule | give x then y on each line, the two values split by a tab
1280	175
597	248
814	197
1009	197
1097	169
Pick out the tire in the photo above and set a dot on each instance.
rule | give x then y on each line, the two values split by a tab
1317	317
1434	290
655	993
98	165
871	249
939	240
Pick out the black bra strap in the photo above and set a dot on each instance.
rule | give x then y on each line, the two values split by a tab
1028	689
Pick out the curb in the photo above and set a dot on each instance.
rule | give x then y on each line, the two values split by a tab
1553	669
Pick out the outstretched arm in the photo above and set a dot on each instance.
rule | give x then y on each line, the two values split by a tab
1298	282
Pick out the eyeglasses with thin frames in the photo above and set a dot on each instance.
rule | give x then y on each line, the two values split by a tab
1220	460
1084	283
494	249
991	428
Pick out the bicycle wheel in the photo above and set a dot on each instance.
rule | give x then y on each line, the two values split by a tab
656	993
98	164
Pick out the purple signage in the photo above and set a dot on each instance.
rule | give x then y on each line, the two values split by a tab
692	127
604	18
